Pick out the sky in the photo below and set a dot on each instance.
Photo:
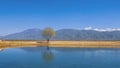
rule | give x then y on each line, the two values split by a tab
19	15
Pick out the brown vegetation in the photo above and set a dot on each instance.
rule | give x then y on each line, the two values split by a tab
84	44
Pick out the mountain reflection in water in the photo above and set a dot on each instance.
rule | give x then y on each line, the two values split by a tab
41	57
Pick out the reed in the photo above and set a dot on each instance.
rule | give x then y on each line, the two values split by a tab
83	44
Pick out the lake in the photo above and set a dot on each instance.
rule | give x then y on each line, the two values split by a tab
41	57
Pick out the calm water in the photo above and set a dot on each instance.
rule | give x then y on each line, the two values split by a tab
40	57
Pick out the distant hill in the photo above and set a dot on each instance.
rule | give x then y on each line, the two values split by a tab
30	34
66	34
0	37
72	34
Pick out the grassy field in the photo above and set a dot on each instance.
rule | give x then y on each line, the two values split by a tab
82	44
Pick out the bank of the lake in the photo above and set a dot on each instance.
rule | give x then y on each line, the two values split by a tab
82	44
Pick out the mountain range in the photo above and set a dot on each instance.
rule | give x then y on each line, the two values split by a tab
65	34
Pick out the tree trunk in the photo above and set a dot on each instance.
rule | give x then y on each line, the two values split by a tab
48	40
48	44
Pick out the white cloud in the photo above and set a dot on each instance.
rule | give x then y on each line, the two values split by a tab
107	29
101	29
88	28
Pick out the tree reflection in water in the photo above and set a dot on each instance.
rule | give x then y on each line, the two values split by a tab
47	55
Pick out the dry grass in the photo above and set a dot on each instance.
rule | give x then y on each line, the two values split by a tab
87	44
84	44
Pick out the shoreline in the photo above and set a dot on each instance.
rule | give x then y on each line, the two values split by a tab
75	44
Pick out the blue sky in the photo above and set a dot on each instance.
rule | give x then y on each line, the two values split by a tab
18	15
